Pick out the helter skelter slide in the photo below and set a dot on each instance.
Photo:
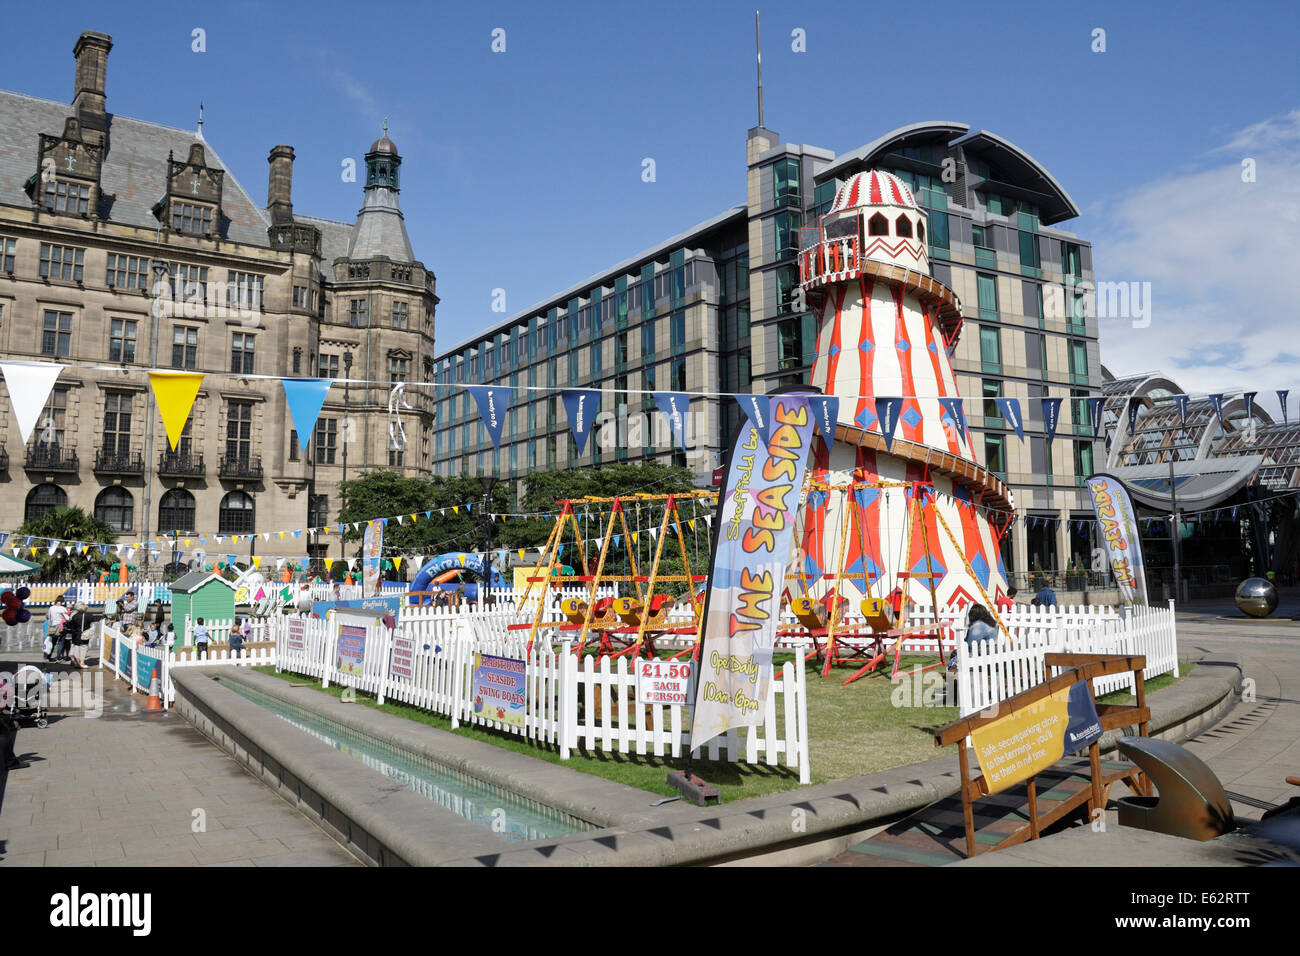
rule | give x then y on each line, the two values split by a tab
899	510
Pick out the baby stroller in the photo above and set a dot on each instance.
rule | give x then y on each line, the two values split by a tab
28	699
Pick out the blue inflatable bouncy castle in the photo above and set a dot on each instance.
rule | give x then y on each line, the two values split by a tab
447	572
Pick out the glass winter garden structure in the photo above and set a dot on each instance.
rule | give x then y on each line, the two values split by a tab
716	309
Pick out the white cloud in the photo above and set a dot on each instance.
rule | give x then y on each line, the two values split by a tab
1223	260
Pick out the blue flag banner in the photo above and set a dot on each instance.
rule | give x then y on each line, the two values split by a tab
953	407
826	412
1010	408
757	409
1095	416
1249	399
674	406
305	397
1181	402
492	404
581	405
887	413
1282	393
1133	408
1217	402
1051	416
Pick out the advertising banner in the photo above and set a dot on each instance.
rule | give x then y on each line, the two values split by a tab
1119	531
391	605
297	638
499	689
402	663
372	548
1015	747
123	658
755	529
350	656
663	682
144	667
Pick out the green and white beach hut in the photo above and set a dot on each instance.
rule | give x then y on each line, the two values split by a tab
202	594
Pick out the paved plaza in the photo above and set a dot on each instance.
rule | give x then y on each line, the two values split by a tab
128	787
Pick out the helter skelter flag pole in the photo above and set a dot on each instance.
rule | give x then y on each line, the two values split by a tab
751	546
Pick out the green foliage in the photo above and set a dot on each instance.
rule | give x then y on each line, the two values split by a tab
69	524
385	493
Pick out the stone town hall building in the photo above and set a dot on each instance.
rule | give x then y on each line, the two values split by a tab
90	204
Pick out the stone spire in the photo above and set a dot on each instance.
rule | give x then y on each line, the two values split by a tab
380	229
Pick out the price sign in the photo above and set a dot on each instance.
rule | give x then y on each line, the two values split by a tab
663	682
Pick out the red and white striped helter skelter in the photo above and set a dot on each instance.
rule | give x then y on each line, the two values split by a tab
886	329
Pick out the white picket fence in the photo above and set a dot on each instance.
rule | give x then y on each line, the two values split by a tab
571	703
122	658
992	671
44	593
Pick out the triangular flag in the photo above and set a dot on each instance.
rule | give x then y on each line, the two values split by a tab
581	406
1051	414
674	406
887	413
826	414
1094	414
305	397
397	562
29	389
257	560
1133	408
1010	408
953	406
1217	401
1249	399
329	562
1181	402
1282	393
758	409
492	402
175	393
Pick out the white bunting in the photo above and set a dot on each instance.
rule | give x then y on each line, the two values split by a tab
29	389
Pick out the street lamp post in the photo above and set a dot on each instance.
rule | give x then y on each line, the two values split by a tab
347	375
161	272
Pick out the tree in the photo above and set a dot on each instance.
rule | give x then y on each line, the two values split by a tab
69	525
452	526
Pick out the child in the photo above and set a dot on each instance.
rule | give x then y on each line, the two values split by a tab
200	640
237	639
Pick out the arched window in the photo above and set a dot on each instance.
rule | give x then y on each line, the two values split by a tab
176	511
44	498
878	225
903	226
116	508
236	514
920	230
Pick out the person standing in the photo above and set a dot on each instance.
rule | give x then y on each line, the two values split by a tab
1046	597
58	617
1007	601
237	639
129	609
79	626
200	640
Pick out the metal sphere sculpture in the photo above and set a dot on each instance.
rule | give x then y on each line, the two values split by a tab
1257	597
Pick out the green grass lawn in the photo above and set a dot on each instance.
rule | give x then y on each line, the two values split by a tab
870	725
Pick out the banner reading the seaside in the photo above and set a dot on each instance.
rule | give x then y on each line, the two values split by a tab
756	518
1015	747
1119	531
372	548
499	689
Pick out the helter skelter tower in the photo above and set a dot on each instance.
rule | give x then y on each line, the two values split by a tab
887	329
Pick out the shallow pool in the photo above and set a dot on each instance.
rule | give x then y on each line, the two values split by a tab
508	814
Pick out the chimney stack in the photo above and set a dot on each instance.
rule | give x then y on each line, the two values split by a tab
89	99
279	188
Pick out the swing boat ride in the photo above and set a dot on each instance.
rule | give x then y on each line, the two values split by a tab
626	625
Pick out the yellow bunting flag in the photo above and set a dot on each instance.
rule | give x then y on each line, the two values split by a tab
328	563
257	561
456	508
175	393
397	562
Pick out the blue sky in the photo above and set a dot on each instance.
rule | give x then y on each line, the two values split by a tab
522	170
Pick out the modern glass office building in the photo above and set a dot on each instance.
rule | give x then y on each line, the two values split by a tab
717	309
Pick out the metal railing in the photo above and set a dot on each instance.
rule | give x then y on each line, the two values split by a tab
112	462
249	467
177	463
51	458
